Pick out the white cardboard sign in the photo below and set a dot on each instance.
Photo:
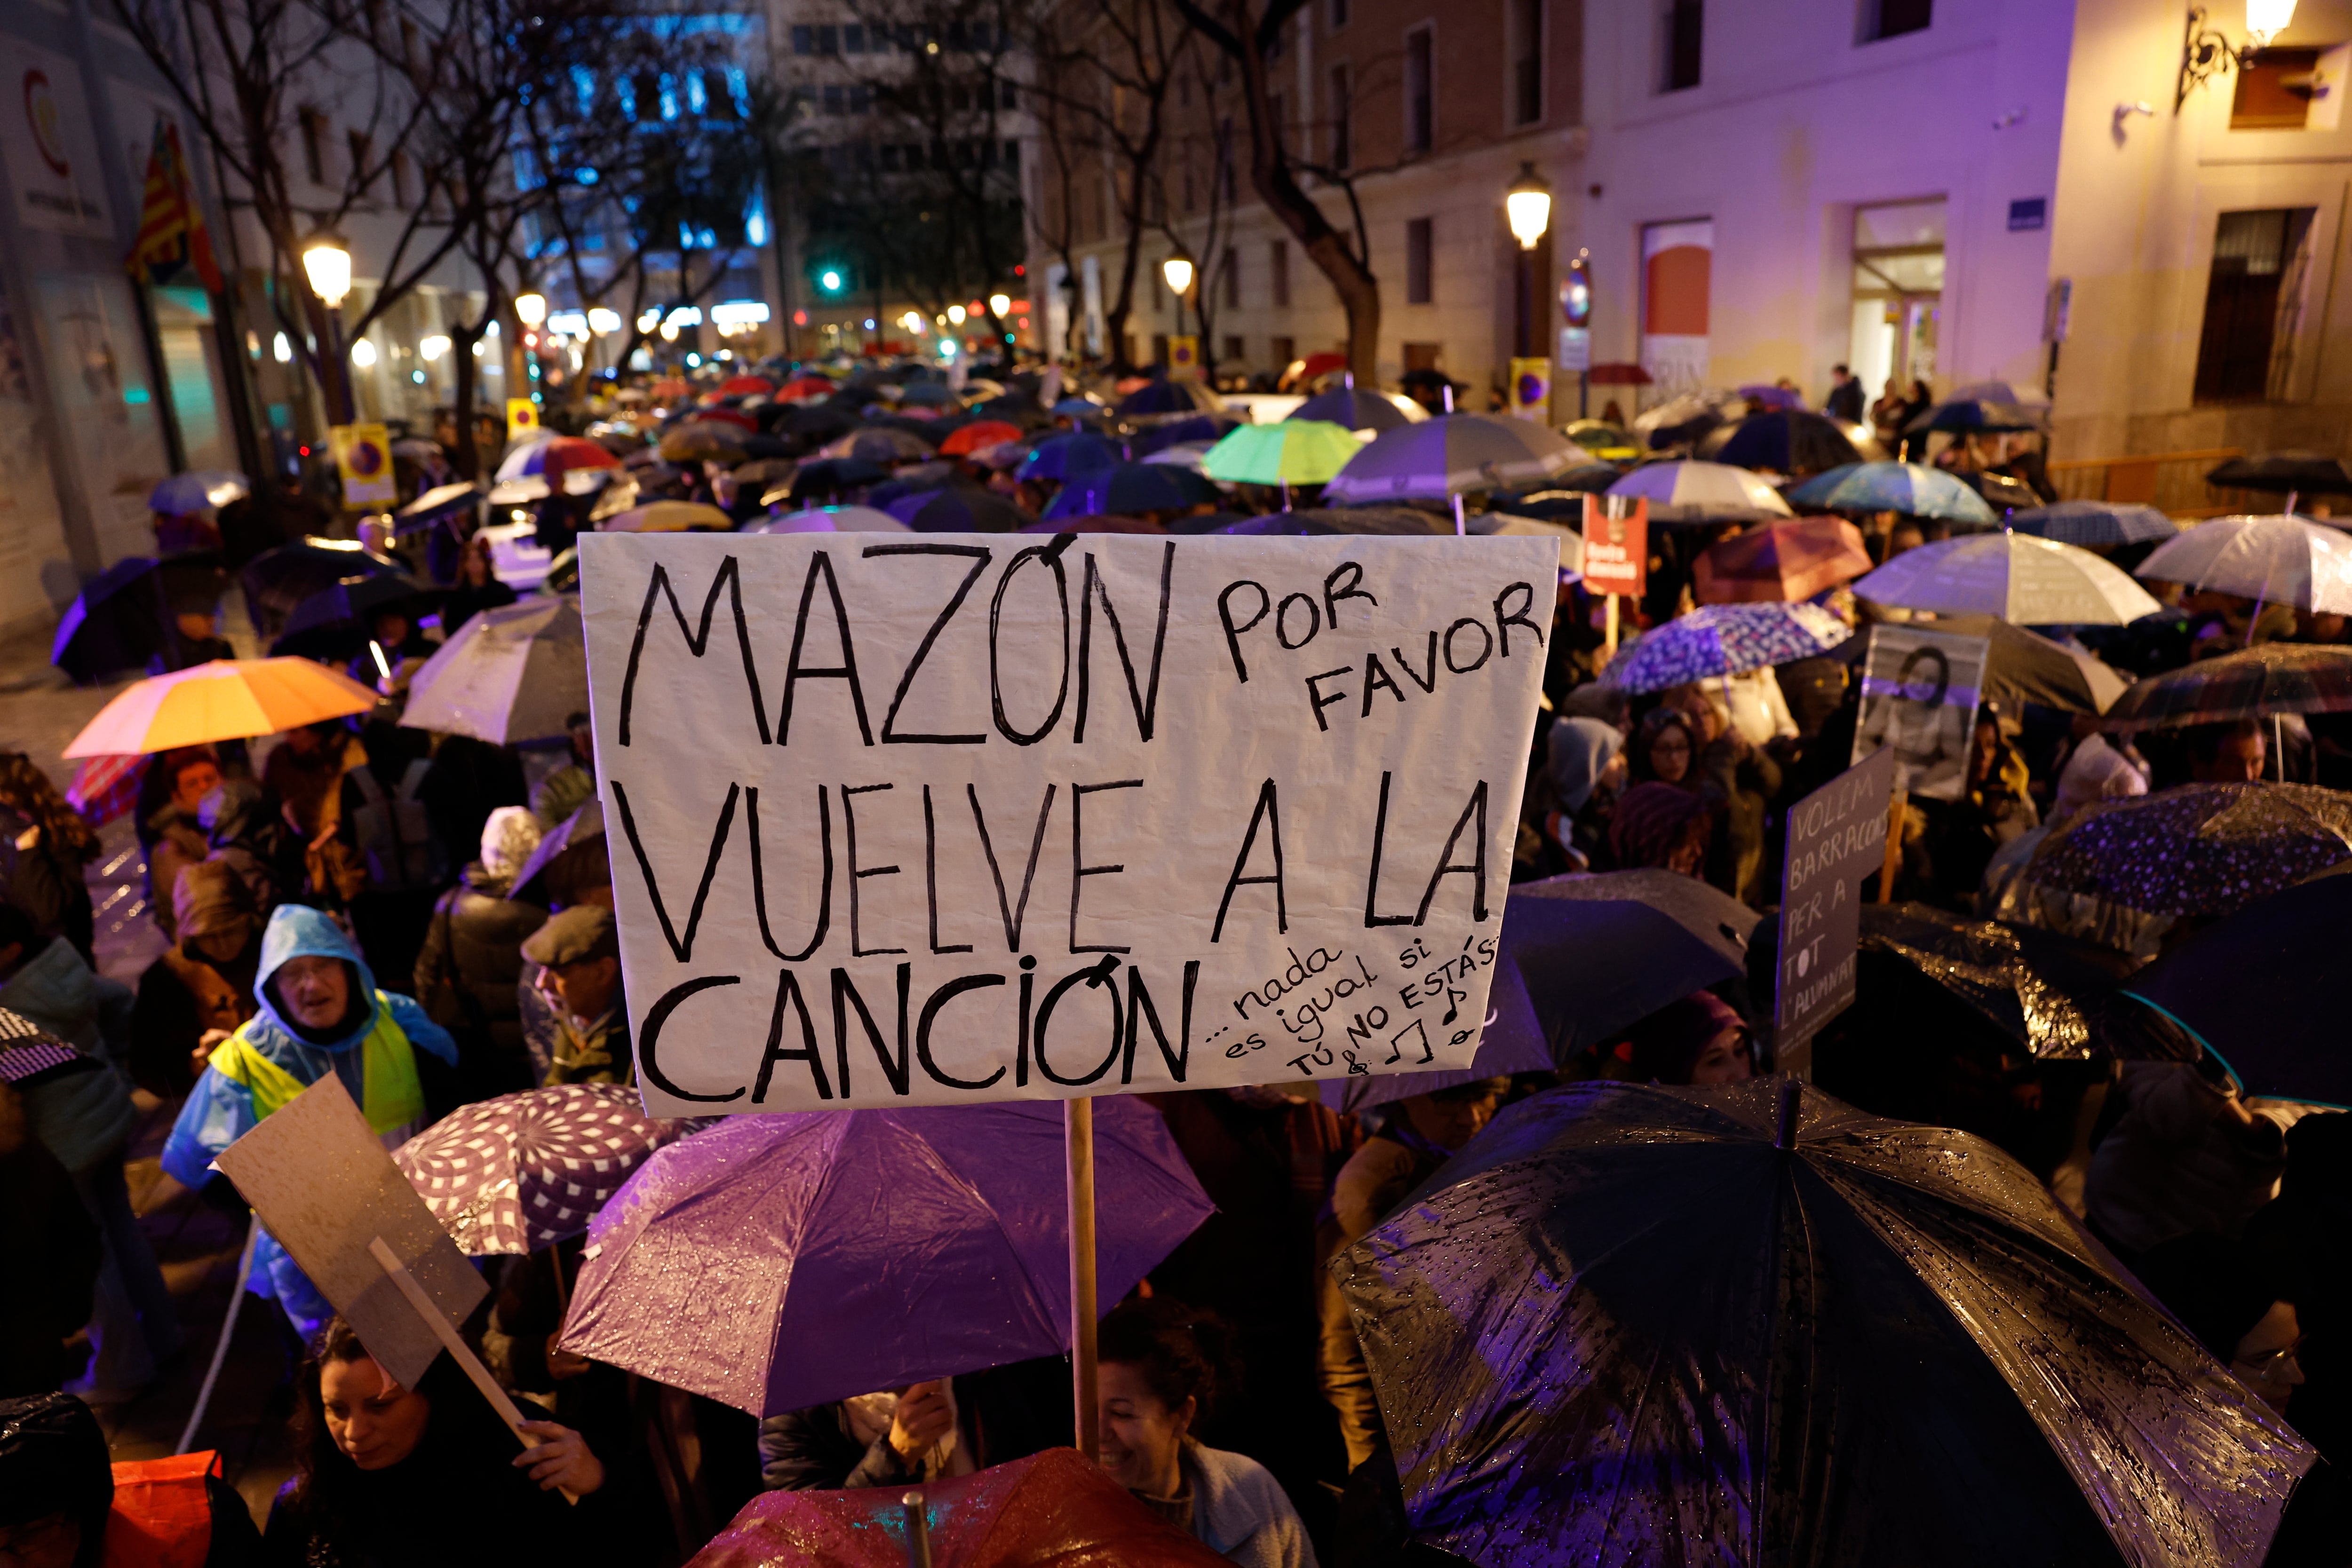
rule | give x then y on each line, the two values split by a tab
958	818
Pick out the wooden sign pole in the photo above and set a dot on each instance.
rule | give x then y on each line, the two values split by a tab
1899	806
1608	626
459	1350
1078	1133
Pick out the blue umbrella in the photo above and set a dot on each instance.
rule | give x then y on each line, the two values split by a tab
1065	456
2095	523
124	618
1129	488
958	510
1786	440
1082	407
1892	487
1724	640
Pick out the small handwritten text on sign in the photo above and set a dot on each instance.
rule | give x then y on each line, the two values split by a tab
1837	836
974	817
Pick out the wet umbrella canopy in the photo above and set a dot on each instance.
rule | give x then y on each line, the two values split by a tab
1724	640
1749	1325
525	1171
2198	849
2270	677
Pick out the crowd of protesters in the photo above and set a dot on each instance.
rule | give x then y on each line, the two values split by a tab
352	898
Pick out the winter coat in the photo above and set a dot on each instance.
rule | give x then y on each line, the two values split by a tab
181	994
2180	1160
57	990
269	1061
1240	1512
472	956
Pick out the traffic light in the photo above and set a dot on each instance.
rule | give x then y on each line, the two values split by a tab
1576	291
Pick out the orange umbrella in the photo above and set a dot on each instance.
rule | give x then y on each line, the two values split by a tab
668	517
229	699
1051	1510
1788	559
976	437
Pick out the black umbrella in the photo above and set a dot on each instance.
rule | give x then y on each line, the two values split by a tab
1314	520
2027	667
1169	397
820	421
334	622
1977	416
1352	407
830	475
1584	957
2263	991
277	581
1750	1325
1159	434
959	509
2281	473
126	616
1126	489
437	502
1786	440
2000	492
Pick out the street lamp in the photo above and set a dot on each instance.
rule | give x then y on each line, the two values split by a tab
530	309
2205	53
327	263
998	304
1528	205
1179	270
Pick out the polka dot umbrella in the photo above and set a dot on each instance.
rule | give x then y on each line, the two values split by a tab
525	1171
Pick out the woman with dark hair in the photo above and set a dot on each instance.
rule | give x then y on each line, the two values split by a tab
1163	1367
44	845
388	1475
1664	750
477	588
1665	825
1699	1039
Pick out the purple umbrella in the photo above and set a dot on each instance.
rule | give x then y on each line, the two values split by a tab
526	1171
780	1261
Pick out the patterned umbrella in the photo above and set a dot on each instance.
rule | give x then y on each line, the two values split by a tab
2095	523
1443	458
1787	560
2198	849
103	788
1894	487
528	1170
2024	580
2275	559
1724	640
2273	677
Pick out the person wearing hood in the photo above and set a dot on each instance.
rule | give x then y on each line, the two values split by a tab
1588	768
318	1011
171	833
248	831
472	958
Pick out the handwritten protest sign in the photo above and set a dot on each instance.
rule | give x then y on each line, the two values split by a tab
969	817
1837	835
1919	692
321	1182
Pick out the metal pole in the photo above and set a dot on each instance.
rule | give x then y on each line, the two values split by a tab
1079	1135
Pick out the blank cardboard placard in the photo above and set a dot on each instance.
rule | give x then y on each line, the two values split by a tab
325	1187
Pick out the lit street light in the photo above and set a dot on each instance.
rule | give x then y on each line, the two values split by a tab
1527	206
998	304
327	263
1179	270
530	309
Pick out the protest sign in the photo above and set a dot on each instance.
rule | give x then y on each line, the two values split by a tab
315	1175
968	818
1920	691
1836	835
1616	544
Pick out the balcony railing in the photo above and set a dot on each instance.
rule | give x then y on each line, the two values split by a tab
2171	481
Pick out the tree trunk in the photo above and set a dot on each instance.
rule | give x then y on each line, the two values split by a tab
332	361
467	458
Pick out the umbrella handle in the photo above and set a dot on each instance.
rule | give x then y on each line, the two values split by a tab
919	1529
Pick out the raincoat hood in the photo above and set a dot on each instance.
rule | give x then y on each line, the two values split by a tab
1581	750
297	931
56	990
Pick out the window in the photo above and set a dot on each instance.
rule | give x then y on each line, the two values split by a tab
1232	269
828	40
400	180
1893	18
2253	304
1681	27
836	98
804	40
1526	61
1422	356
1420	88
2273	90
1418	257
362	163
1158	348
1343	117
314	153
1232	354
1005	99
1278	261
1338	20
1285	350
853	39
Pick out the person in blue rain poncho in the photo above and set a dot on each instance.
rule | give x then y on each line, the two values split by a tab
320	1012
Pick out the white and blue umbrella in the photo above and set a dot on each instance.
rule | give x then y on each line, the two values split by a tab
1904	488
2095	523
2026	582
1724	640
1444	457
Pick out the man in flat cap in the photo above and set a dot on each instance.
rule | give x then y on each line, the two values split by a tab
579	951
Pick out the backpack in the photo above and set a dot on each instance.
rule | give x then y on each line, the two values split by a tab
393	835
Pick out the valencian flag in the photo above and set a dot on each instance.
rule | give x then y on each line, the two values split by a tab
170	224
